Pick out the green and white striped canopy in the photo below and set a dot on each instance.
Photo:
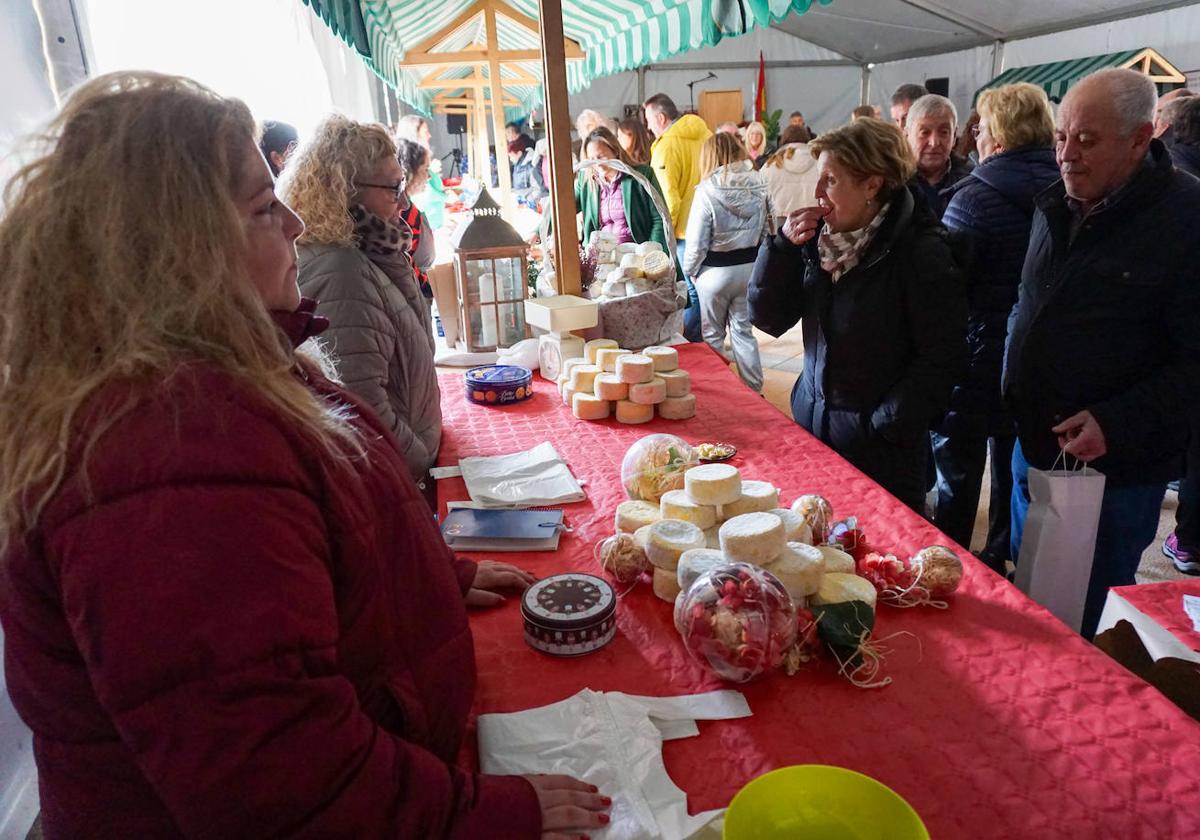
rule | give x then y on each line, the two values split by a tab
1057	77
615	35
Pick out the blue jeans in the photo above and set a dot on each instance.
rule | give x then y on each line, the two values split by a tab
691	315
1128	524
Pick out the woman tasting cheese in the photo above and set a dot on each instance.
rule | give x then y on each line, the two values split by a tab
347	185
227	611
870	275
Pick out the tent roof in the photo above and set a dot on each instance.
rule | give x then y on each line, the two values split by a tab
1056	77
875	31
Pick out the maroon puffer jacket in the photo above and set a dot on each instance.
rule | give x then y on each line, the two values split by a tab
229	638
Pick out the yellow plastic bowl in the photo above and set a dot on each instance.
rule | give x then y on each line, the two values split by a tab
819	802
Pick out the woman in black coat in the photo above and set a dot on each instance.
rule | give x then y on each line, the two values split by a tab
883	305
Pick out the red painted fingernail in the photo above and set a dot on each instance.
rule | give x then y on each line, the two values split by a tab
594	789
604	819
605	801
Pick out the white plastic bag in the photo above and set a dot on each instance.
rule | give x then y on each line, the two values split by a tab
613	741
1059	541
523	353
534	478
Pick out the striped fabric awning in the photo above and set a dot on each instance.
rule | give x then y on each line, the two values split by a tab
615	35
1056	77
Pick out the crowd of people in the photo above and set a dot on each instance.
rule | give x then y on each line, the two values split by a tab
218	553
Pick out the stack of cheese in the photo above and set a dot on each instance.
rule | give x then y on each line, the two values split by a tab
720	518
627	269
610	379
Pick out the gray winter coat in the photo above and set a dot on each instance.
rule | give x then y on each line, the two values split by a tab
730	212
381	338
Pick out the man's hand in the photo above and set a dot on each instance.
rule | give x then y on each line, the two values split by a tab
1081	437
490	576
801	225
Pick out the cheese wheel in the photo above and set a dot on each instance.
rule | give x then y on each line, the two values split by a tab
838	588
665	358
799	568
648	393
569	365
757	497
642	537
591	348
679	382
606	358
656	266
650	247
626	248
756	538
665	585
583	378
794	525
666	539
632	262
675	504
608	387
837	560
712	537
635	368
678	408
634	515
695	562
568	395
634	413
614	288
589	407
713	484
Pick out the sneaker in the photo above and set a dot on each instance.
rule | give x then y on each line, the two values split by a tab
1185	561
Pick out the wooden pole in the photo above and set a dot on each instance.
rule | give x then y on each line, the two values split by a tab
483	169
558	129
504	174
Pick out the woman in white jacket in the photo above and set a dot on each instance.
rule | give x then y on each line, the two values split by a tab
791	173
731	214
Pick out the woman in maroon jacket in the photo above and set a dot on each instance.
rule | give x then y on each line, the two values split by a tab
227	612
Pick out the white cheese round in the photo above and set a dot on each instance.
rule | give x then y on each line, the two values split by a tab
679	382
837	560
606	358
669	538
838	588
757	497
588	407
648	393
696	562
633	515
607	387
678	408
583	378
676	504
665	358
665	585
799	568
713	484
591	348
635	368
633	413
756	538
794	525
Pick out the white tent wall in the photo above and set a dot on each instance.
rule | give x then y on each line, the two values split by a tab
825	95
967	70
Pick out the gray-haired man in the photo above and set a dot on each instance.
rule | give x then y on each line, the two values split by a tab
930	128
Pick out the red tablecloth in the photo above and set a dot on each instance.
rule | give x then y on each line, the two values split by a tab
1163	602
1000	722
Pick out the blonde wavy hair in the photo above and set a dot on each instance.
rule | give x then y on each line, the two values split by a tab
761	129
319	180
1017	115
122	258
868	147
720	150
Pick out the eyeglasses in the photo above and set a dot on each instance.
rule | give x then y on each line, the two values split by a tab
397	190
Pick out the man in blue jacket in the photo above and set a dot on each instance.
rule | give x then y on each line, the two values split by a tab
1103	355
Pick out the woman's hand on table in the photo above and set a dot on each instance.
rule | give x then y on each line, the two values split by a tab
491	576
568	806
801	225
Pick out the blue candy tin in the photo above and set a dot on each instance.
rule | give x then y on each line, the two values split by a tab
499	384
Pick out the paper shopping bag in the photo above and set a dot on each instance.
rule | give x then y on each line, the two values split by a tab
1055	562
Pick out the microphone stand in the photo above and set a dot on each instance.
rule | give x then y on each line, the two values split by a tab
692	89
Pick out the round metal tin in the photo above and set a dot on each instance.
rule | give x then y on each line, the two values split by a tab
569	614
499	384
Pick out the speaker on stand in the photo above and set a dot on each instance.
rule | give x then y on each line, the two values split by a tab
939	85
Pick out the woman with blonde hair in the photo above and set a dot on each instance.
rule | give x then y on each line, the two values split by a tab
730	216
993	209
227	611
870	275
756	144
347	185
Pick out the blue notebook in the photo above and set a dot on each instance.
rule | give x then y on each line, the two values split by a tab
466	529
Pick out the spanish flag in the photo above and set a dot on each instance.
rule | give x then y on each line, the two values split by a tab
760	95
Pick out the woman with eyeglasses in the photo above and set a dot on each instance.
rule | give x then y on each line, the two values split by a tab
347	185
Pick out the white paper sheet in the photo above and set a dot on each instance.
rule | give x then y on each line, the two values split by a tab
534	478
613	741
1191	606
1159	641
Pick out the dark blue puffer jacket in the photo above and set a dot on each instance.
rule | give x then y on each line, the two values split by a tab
1186	156
993	208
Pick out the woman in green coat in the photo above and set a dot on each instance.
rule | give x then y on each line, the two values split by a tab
615	202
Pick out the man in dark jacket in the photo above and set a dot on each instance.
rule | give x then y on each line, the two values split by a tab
1103	352
992	209
930	128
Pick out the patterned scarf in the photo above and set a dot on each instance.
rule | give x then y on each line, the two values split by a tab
386	243
840	252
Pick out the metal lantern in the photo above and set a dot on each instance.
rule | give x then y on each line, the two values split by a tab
490	271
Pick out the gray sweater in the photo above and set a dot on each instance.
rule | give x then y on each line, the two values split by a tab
381	339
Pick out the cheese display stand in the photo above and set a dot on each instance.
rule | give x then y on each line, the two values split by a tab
998	721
